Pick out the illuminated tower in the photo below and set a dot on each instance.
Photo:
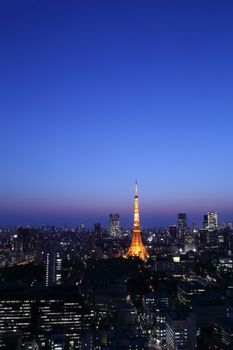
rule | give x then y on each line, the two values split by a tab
137	248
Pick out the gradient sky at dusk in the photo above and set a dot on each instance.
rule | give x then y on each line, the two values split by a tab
94	94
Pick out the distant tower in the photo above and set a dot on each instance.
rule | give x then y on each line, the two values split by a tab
182	225
212	221
114	225
137	248
205	221
93	239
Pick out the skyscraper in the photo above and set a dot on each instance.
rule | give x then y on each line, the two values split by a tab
173	231
137	248
44	313
181	331
26	239
53	266
189	242
205	221
182	225
212	221
114	225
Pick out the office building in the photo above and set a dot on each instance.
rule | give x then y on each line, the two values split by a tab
182	225
212	221
205	222
189	242
15	318
180	331
188	291
160	324
223	329
173	231
114	225
53	267
52	316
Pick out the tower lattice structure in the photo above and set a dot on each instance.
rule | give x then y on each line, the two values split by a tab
137	248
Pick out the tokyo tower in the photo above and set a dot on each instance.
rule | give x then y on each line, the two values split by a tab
137	248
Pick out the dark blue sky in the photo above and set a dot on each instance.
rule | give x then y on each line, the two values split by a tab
94	94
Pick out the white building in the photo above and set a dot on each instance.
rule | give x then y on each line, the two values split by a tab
212	218
114	225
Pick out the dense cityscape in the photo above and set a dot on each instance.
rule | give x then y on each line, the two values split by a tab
93	95
103	288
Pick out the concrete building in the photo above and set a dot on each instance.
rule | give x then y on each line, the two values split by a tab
223	329
212	218
44	313
180	331
114	225
53	266
182	225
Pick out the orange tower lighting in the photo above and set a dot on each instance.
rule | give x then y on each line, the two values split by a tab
137	248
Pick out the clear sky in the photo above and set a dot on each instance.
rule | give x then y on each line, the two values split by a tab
94	94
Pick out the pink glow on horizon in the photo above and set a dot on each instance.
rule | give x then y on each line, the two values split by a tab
152	209
72	207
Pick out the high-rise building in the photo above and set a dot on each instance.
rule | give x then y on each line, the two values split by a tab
15	317
26	239
188	292
205	222
137	248
114	225
49	315
189	242
173	231
180	331
212	221
160	324
182	225
223	330
53	266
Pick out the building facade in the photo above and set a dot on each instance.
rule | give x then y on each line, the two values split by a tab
114	225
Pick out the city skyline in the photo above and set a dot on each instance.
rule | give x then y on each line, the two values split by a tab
125	220
116	211
94	95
